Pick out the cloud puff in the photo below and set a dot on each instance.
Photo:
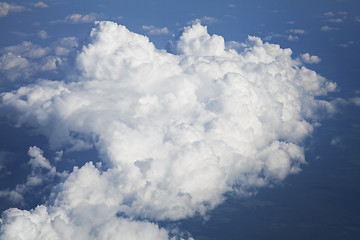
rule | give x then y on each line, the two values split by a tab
78	18
175	131
152	30
41	5
42	174
6	8
43	34
26	59
204	20
293	38
307	58
329	14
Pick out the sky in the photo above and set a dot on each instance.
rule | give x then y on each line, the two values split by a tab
179	119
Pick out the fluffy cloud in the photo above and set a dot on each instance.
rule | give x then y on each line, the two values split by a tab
26	59
6	8
152	30
307	58
175	131
42	174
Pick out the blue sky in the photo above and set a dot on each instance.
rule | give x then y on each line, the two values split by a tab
209	127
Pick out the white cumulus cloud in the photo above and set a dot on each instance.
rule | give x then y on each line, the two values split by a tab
307	58
26	59
175	131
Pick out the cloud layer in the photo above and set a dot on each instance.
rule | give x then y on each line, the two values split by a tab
175	131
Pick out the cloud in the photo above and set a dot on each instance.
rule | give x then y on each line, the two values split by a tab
307	58
297	31
347	44
78	18
329	14
357	19
152	30
355	101
231	5
26	59
41	5
335	140
204	20
43	175
175	131
335	20
293	38
328	28
6	8
43	34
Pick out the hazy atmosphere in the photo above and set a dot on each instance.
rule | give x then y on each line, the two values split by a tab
180	119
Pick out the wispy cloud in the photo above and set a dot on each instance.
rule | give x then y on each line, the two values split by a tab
41	5
328	28
42	34
329	14
297	31
152	30
6	8
335	20
78	18
204	20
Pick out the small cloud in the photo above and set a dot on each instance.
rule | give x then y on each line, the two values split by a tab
335	140
345	45
118	18
290	22
78	18
329	14
307	58
203	20
155	31
297	31
41	5
6	8
343	13
355	101
293	38
357	19
335	20
328	28
232	6
42	34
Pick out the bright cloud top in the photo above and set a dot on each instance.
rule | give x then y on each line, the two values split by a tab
175	131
